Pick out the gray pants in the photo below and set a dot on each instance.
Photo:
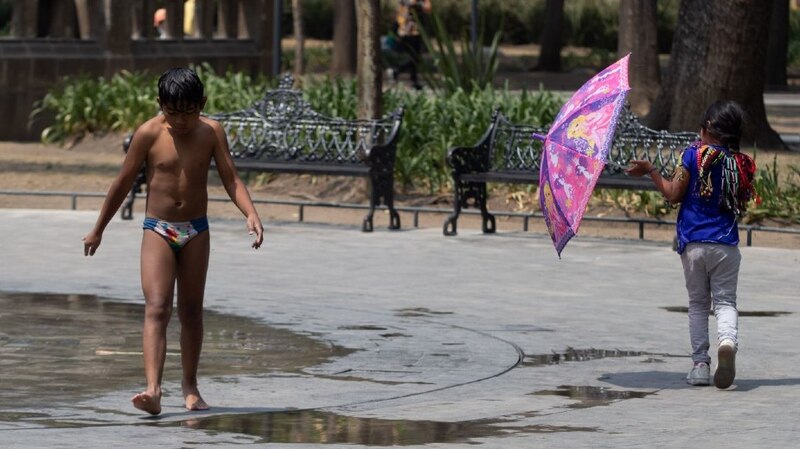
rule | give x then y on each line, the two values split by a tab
712	272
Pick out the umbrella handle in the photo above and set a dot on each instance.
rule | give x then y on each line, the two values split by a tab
538	136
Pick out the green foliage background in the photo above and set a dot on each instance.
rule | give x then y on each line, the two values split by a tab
431	124
457	115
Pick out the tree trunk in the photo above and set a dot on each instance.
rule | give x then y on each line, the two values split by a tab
637	36
718	53
551	40
369	59
778	45
299	37
344	37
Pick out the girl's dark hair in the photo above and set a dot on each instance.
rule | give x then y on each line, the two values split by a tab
725	120
180	87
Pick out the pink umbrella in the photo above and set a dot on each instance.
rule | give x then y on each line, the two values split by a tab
576	148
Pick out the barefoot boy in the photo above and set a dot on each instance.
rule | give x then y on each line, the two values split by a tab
177	147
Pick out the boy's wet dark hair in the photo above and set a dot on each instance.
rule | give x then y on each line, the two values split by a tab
180	88
725	120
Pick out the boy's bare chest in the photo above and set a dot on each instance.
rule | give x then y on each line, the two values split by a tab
181	158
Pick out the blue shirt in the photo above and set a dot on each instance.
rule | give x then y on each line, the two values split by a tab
702	219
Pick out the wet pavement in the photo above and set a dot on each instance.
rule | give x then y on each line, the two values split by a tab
104	337
332	336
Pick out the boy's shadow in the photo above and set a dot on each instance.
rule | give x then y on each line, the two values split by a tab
672	380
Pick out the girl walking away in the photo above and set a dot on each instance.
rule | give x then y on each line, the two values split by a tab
713	183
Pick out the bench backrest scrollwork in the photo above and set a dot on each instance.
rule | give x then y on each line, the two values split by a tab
282	126
636	141
513	149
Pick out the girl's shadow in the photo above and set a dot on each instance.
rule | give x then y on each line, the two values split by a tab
671	380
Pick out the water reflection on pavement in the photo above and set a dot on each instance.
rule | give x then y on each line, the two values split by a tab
61	348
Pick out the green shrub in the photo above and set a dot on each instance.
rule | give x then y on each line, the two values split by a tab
431	124
231	91
776	197
334	97
84	105
464	69
652	204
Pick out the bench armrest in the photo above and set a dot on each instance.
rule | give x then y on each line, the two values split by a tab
475	158
382	156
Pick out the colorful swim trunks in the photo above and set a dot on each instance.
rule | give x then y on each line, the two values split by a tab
178	234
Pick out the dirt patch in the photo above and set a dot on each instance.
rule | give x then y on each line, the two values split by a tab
91	164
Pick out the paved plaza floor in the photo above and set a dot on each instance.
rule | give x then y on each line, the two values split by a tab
397	338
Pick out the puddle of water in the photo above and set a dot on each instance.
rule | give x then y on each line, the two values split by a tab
592	396
316	427
74	346
755	313
362	327
19	416
523	328
581	355
394	334
419	311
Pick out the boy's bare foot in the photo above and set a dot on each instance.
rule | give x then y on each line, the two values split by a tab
193	400
147	402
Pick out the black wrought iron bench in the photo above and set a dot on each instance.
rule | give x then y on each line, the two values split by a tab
282	134
507	153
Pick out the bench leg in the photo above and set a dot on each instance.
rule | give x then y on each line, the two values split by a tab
450	227
366	225
381	190
394	219
481	195
126	213
488	226
388	198
464	192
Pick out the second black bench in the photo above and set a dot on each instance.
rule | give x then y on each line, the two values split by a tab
507	153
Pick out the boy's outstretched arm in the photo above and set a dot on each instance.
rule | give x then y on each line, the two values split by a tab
234	185
118	191
673	190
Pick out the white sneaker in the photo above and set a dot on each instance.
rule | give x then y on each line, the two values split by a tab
726	364
700	375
